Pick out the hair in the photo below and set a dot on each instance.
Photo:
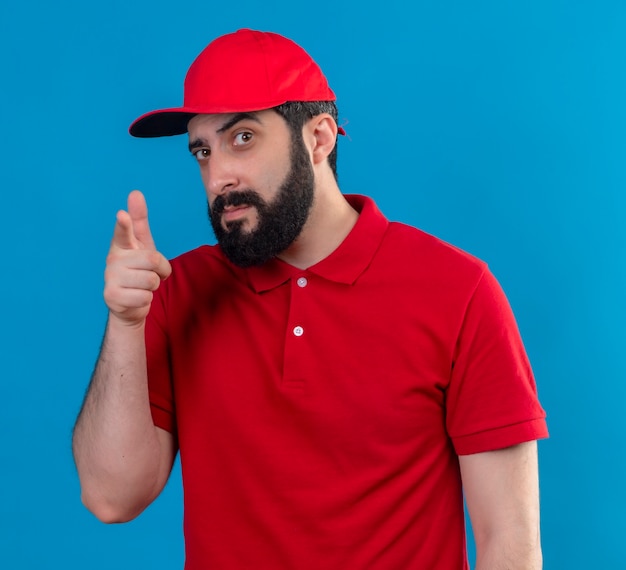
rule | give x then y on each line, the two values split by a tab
297	113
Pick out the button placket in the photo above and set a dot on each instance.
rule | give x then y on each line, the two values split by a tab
294	370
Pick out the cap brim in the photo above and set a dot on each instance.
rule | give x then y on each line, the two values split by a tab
162	123
170	122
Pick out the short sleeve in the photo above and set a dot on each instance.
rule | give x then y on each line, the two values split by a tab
159	370
492	400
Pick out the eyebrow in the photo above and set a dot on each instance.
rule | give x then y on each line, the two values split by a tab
236	118
196	143
227	125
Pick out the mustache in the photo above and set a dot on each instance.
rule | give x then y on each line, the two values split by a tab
248	197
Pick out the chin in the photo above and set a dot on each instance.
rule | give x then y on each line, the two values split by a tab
243	225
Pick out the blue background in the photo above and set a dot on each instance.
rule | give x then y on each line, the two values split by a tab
498	126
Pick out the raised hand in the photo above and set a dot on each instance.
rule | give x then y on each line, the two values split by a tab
134	267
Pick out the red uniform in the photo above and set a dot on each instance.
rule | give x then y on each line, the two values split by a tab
320	412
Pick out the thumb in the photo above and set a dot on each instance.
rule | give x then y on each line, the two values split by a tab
123	236
138	211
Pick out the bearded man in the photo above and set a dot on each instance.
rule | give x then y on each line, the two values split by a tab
335	383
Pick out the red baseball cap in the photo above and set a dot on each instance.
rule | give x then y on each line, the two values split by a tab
246	70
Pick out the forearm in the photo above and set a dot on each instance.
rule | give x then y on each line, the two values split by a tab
116	447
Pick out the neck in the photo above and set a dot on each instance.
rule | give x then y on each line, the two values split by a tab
330	221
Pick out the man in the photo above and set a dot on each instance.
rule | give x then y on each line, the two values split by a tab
335	383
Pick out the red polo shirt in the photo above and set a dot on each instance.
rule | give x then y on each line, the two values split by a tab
319	412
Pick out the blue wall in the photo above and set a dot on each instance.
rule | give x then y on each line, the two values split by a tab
498	126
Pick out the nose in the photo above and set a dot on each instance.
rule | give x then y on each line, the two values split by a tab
220	176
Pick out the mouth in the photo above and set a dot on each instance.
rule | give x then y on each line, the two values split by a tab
233	213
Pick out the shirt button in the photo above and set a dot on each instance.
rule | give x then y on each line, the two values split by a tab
298	331
302	282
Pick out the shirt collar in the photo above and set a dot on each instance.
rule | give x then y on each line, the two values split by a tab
344	265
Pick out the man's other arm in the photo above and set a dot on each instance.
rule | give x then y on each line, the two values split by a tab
502	494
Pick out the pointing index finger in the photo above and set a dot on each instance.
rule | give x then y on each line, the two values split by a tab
138	212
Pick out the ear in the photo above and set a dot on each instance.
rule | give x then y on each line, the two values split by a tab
321	132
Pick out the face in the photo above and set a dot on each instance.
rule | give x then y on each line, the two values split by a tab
261	192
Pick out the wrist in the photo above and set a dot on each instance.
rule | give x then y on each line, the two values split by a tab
116	322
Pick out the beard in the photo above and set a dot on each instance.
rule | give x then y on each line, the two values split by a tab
279	222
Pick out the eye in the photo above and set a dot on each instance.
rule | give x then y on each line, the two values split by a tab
242	138
202	153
